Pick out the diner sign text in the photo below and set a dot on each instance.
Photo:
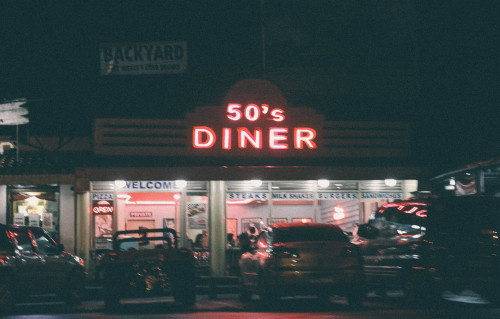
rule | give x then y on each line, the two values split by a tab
254	127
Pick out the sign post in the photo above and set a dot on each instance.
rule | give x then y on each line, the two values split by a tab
11	113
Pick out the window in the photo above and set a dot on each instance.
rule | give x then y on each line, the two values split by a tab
4	241
23	241
44	243
35	207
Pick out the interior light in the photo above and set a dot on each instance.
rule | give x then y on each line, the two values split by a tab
153	202
452	181
323	183
181	183
390	182
120	183
32	201
338	215
256	182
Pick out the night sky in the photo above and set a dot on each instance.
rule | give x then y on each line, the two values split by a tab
439	61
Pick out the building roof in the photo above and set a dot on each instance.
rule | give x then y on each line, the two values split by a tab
13	162
492	162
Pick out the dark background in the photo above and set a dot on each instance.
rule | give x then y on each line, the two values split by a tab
433	64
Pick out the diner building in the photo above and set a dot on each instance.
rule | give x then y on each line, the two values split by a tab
250	161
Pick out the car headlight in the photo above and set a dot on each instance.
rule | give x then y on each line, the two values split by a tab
79	260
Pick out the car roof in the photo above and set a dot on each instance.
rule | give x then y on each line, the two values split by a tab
301	225
21	227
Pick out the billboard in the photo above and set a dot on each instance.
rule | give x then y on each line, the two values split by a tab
143	58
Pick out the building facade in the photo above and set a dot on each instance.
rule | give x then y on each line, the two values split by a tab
253	160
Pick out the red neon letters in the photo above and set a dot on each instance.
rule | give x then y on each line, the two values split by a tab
276	138
303	137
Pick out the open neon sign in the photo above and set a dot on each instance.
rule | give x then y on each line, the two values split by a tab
272	137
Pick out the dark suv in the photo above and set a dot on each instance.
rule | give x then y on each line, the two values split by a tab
32	263
434	245
148	263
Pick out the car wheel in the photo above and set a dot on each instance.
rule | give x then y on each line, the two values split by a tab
421	292
355	298
186	295
244	294
324	298
268	296
74	288
183	284
6	297
111	301
111	292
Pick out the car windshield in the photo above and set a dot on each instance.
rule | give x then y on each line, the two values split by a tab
308	234
402	215
143	239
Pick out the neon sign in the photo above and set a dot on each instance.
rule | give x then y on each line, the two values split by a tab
102	207
275	136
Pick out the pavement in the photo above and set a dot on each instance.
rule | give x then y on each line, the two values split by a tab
140	307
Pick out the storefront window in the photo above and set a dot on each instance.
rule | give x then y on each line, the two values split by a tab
197	229
341	209
293	207
247	206
148	210
35	207
247	211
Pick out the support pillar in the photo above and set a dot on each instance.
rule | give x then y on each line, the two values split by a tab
83	228
217	228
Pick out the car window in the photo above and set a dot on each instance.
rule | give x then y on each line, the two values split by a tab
23	241
404	213
43	242
4	241
294	234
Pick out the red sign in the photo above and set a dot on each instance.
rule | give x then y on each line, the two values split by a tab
102	207
141	214
271	134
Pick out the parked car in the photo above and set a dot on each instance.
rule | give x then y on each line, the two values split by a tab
293	259
148	263
430	246
32	263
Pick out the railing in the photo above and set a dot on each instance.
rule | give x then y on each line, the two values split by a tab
202	257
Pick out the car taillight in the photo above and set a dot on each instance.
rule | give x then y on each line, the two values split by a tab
113	256
351	251
285	252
